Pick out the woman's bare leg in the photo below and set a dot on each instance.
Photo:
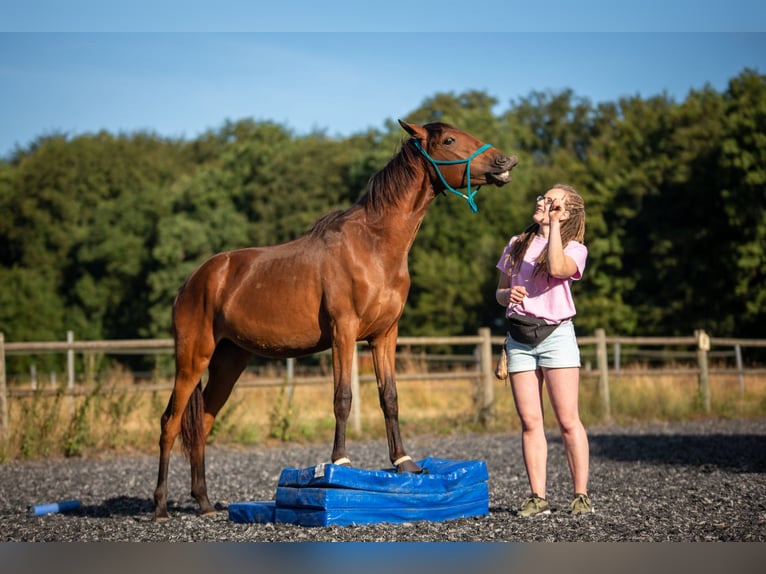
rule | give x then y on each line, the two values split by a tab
527	395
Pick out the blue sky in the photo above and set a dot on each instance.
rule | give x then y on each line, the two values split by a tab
158	67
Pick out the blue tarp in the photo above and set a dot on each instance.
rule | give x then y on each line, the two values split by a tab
259	511
330	494
443	475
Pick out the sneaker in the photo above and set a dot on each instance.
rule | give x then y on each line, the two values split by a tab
581	504
534	506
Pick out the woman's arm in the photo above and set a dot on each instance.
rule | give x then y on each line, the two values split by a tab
503	292
560	265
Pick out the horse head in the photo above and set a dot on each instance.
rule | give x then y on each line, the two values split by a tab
459	159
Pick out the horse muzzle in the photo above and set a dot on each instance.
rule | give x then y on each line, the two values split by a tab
501	169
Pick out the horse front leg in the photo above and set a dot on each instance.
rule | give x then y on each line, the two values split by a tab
342	359
384	359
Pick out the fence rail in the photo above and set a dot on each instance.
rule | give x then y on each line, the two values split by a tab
479	366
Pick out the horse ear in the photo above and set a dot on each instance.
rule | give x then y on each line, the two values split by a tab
414	130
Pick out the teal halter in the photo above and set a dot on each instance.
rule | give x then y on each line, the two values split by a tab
438	162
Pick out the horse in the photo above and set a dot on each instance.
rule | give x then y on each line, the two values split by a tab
345	280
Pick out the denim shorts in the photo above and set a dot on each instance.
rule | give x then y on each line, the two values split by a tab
559	350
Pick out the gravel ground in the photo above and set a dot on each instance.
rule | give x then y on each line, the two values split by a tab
685	482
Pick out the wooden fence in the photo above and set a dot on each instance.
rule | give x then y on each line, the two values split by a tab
478	366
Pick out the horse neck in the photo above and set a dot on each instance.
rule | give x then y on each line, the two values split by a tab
398	198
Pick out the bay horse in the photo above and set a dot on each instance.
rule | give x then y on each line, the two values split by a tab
345	280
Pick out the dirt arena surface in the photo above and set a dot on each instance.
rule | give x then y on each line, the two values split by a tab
702	481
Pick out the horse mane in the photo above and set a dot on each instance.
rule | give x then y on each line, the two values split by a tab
326	221
384	188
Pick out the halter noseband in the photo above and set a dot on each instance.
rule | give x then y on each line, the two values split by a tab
437	162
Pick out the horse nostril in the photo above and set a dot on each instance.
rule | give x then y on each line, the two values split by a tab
505	162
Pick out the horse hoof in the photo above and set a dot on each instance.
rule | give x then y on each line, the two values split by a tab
206	509
406	464
414	469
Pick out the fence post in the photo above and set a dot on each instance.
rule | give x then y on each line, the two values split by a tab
290	378
3	392
70	362
602	361
356	398
70	372
487	377
703	346
740	370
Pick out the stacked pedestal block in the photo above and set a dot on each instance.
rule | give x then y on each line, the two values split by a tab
328	494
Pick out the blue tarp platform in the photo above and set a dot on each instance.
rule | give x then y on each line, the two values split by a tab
329	494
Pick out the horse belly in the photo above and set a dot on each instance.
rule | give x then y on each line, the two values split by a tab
272	328
268	303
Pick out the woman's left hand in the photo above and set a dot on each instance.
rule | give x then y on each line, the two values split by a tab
556	210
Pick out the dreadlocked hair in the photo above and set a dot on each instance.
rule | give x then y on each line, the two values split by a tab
573	229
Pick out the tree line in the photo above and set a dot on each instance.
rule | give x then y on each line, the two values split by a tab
99	231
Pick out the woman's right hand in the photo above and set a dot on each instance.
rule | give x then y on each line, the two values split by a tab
518	292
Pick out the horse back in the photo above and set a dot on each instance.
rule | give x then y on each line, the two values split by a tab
265	299
292	298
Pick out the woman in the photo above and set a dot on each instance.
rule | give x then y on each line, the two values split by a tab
538	267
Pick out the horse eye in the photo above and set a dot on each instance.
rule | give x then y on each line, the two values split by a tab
449	141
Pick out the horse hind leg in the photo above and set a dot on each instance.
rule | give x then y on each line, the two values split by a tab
170	425
192	358
225	368
161	490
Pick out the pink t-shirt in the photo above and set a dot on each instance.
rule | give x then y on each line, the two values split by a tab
548	297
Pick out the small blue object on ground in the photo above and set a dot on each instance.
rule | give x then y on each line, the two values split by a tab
52	507
329	494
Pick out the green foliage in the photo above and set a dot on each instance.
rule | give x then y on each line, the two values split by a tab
100	231
450	260
82	218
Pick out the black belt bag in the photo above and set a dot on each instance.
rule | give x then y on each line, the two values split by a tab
529	330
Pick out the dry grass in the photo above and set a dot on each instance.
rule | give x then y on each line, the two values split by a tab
677	398
113	417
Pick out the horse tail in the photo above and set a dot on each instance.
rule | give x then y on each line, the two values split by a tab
192	430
